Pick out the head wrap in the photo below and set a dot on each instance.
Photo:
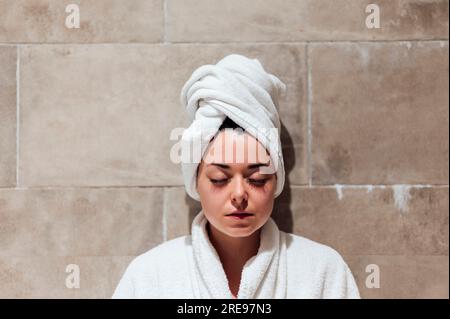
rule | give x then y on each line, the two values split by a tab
239	88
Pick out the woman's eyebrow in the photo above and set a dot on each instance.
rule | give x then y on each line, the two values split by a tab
251	166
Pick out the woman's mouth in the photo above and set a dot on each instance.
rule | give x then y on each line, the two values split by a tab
239	215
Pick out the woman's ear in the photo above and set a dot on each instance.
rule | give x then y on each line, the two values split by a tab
196	176
197	170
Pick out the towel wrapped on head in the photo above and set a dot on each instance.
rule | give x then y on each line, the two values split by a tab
239	88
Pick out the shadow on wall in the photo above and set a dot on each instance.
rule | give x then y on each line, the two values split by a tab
281	213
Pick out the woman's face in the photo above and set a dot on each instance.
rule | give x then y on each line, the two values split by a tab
228	180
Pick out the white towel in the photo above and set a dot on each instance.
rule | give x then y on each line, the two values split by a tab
237	87
263	275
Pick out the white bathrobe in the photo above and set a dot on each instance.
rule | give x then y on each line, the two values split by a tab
286	266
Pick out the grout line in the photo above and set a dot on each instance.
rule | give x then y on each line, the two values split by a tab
314	41
392	255
182	187
370	185
309	106
164	21
164	217
166	17
17	114
435	41
96	187
228	42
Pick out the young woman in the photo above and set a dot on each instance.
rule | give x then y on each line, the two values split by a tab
235	249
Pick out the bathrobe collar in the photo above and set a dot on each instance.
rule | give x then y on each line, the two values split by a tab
263	275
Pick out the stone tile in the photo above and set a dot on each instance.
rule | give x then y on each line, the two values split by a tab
357	221
79	222
120	104
401	277
380	113
116	270
298	20
8	58
45	277
180	211
40	21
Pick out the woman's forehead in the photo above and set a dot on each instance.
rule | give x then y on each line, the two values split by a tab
234	147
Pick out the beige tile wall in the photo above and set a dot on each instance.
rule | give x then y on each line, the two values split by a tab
85	118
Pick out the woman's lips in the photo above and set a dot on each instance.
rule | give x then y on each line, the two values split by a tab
239	215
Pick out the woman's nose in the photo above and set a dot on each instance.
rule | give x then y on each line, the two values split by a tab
239	192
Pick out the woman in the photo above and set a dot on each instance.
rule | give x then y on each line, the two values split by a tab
236	250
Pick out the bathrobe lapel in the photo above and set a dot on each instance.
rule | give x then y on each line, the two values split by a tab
263	276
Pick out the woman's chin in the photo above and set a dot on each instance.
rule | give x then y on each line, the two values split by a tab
239	231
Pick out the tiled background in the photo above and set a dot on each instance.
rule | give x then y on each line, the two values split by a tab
85	118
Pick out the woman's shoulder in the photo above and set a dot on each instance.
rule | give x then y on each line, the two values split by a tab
146	272
302	247
320	267
166	253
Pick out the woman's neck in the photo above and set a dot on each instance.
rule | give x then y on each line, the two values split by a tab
234	249
233	252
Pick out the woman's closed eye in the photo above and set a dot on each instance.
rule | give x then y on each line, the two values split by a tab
258	182
218	181
253	181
